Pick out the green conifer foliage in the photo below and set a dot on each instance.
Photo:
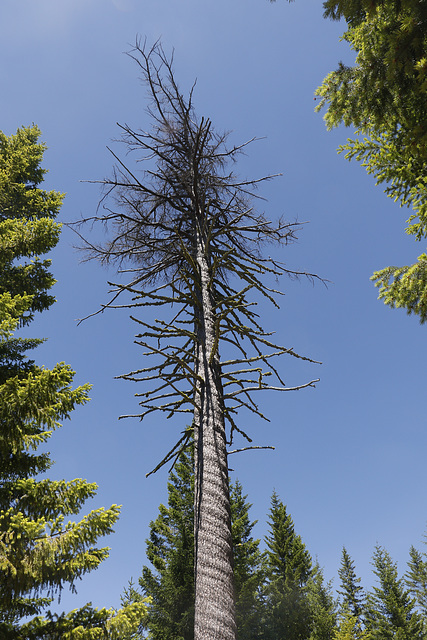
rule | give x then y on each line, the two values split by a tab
351	590
42	548
132	596
388	83
322	606
416	580
170	549
248	573
289	567
384	96
390	607
349	628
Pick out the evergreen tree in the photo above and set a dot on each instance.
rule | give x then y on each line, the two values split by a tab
384	97
132	596
289	568
190	239
349	628
41	548
322	606
386	86
351	591
416	580
248	571
390	608
170	549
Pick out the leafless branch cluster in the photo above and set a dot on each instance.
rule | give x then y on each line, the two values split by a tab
183	187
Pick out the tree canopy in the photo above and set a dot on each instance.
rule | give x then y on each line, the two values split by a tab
383	96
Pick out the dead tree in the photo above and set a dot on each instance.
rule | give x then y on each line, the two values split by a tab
184	229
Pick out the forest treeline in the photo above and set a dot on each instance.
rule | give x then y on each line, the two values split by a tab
280	589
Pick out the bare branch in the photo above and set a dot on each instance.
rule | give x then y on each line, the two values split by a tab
178	198
249	449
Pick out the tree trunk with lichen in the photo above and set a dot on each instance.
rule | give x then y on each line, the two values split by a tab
192	239
214	593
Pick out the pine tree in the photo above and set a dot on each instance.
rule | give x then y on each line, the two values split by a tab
170	549
289	568
187	234
416	580
248	570
130	597
351	590
390	608
384	97
41	548
322	606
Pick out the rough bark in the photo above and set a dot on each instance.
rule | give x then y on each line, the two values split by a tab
214	593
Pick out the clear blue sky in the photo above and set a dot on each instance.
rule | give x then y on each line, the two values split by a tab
350	455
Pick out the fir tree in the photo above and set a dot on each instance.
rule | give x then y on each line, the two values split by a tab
352	597
416	580
248	572
170	549
41	548
289	568
386	86
132	596
390	608
384	97
322	606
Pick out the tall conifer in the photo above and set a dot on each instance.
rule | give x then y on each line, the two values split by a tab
41	548
170	549
289	568
248	571
383	97
416	579
351	592
322	606
390	607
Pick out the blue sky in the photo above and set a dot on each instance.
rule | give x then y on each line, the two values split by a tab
350	455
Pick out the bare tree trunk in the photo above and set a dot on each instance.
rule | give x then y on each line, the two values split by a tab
187	230
214	593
